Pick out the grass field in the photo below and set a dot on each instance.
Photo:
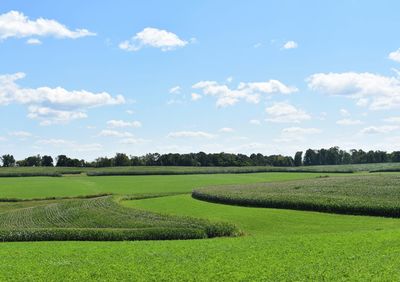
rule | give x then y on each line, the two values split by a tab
42	187
278	245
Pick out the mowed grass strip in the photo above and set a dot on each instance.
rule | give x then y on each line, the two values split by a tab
71	186
377	195
101	218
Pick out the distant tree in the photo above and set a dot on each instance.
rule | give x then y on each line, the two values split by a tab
121	159
47	161
62	160
33	161
395	156
311	157
298	158
103	162
8	160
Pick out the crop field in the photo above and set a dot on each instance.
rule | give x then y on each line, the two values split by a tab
273	244
173	170
367	194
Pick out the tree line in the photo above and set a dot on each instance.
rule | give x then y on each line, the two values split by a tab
331	156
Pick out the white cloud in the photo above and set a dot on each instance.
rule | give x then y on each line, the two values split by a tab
48	116
175	90
374	91
290	45
2	139
120	123
392	119
115	133
132	141
15	24
379	129
226	130
286	113
395	55
196	96
130	112
52	105
348	121
153	37
20	134
301	130
33	41
250	92
255	122
190	134
344	113
296	134
257	45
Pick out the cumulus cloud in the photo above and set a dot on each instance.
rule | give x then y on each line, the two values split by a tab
297	134
33	41
374	91
344	112
52	105
284	112
392	119
153	37
226	130
175	90
250	92
191	134
348	121
379	129
290	45
15	24
133	141
120	123
114	133
255	121
196	96
395	55
48	116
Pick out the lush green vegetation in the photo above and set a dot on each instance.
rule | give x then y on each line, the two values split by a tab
278	245
366	195
177	170
99	219
44	187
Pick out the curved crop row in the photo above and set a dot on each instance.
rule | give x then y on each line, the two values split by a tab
99	234
376	195
101	218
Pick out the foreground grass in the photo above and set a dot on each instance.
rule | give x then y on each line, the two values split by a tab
43	187
376	194
281	245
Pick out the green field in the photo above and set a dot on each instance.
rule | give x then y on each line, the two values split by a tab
374	194
277	245
162	170
42	187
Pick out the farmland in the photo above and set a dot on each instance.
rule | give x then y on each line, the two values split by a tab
365	195
276	244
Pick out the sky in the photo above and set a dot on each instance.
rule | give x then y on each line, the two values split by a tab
91	79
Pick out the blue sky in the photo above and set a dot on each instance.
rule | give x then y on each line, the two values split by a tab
171	76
